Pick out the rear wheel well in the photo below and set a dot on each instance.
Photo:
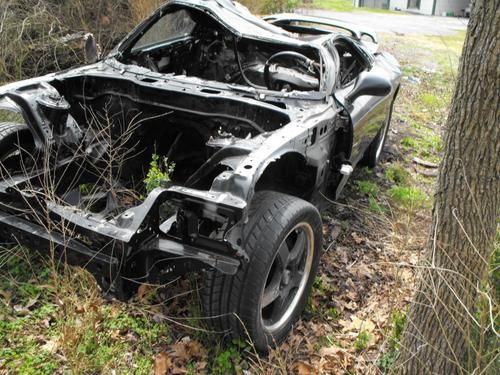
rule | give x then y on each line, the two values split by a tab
340	154
290	175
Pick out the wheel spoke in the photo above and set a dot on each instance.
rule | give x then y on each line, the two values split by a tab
283	300
284	255
298	249
286	280
296	279
271	294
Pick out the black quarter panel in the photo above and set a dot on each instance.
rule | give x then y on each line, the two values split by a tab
368	113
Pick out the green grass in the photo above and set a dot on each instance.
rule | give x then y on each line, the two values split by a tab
56	319
408	143
229	359
362	341
425	144
398	323
398	174
409	197
429	75
368	188
345	6
333	313
374	206
446	50
337	5
430	100
319	305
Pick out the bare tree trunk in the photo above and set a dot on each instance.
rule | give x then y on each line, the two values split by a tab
466	209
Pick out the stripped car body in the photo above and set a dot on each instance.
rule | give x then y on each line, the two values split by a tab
210	99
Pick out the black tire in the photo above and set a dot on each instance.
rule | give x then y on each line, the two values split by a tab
233	304
374	151
11	134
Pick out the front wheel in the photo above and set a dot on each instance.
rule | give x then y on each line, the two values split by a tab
283	239
12	139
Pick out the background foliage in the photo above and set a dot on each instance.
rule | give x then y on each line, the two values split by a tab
42	36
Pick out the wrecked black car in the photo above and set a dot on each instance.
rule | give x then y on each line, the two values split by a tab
207	141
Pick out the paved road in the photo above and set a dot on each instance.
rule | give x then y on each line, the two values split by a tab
403	23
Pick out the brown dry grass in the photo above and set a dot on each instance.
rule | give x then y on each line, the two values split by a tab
143	8
33	33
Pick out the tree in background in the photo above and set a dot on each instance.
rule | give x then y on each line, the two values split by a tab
466	209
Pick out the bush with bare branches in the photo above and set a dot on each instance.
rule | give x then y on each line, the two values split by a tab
41	36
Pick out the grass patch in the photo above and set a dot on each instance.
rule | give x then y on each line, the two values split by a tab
426	145
337	5
430	143
54	319
362	340
368	188
345	6
229	360
398	323
446	50
397	174
374	206
429	76
409	197
431	100
319	302
408	143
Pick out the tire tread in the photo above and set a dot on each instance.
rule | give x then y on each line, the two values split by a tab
269	214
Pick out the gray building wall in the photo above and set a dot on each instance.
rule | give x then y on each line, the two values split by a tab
426	6
381	4
454	6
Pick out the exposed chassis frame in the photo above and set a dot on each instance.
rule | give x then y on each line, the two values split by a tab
136	241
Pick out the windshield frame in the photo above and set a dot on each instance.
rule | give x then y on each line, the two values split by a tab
124	48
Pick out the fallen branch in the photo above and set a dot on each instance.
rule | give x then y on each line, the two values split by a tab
424	163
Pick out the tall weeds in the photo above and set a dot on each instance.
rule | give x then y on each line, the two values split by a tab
42	36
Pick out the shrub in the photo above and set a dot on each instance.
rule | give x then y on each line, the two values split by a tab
39	37
159	171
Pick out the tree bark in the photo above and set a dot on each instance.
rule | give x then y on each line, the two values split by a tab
466	209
